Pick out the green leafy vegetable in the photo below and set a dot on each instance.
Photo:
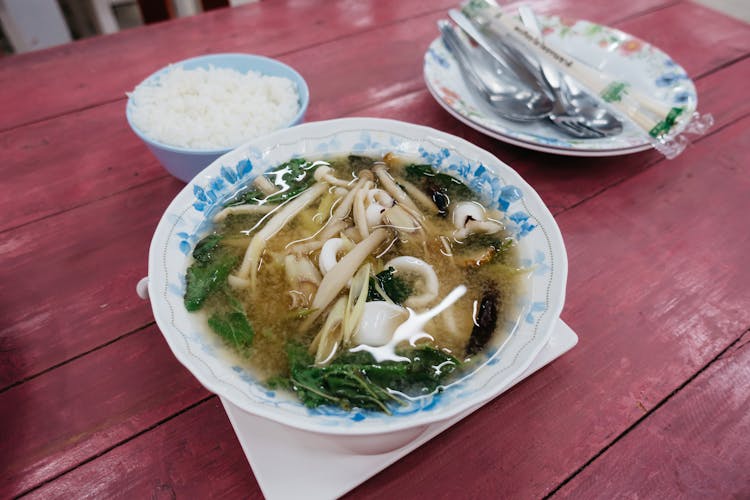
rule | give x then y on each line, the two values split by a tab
205	278
290	193
233	327
397	288
251	197
355	380
425	175
483	240
209	272
291	178
203	251
357	162
438	186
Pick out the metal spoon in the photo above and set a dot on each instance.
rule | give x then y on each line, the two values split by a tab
576	112
508	98
597	117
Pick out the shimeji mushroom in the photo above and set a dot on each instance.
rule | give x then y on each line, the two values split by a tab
249	266
303	278
336	279
470	217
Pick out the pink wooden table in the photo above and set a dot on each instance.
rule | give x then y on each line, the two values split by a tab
653	402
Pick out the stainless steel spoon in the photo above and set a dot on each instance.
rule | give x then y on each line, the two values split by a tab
576	112
508	98
597	117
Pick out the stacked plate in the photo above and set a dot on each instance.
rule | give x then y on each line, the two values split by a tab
606	49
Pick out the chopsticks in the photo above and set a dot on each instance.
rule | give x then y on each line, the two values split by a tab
661	124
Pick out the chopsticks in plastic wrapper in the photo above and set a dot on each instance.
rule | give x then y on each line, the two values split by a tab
663	126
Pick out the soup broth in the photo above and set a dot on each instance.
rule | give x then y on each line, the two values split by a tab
330	274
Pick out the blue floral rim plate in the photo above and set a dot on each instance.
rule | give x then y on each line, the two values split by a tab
607	49
185	222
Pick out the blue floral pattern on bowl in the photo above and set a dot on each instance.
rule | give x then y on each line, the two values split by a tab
187	219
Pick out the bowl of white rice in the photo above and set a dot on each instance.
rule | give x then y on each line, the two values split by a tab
193	111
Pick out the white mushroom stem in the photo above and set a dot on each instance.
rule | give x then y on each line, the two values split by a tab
236	282
337	278
342	210
390	185
317	240
446	250
417	194
325	173
355	305
301	269
303	278
243	209
360	217
326	342
411	330
249	266
352	233
264	185
428	283
327	204
380	197
398	217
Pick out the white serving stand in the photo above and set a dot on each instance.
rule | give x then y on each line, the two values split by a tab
320	471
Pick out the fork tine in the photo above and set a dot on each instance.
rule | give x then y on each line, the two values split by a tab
576	128
591	130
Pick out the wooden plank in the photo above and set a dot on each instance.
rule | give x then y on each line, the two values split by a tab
696	445
69	281
708	29
221	469
77	411
90	72
668	309
56	165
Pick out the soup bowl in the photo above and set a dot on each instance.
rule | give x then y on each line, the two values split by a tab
187	220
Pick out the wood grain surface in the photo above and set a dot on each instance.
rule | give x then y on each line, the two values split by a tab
694	445
652	402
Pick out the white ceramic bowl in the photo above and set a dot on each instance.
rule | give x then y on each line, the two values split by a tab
185	222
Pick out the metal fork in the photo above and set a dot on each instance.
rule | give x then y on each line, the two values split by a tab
564	113
571	123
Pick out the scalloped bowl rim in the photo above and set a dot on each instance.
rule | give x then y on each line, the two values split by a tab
180	344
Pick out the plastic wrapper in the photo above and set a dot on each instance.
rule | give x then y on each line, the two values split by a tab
665	127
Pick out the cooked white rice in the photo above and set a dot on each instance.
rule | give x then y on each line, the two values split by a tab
212	108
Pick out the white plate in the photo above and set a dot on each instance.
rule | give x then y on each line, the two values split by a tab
202	352
324	469
607	49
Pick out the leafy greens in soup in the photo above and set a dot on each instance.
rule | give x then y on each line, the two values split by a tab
356	281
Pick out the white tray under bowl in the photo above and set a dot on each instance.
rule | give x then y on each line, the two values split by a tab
277	452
